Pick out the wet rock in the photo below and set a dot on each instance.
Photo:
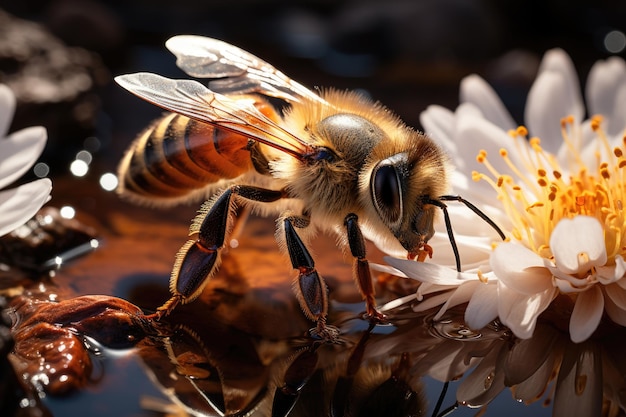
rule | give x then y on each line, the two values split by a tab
51	351
46	241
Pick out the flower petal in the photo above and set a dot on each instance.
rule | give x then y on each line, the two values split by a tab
7	109
519	312
586	314
617	294
18	205
19	151
555	94
610	274
578	244
438	122
481	310
477	91
429	272
520	269
606	93
461	295
617	314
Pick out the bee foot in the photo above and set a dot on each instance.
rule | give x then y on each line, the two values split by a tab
376	317
329	334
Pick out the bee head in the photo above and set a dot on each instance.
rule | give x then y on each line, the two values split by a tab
401	187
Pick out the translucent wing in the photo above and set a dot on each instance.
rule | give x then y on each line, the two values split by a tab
194	100
240	71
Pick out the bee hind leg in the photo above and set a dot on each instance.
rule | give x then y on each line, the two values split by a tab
198	259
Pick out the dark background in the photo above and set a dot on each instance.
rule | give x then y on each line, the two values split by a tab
407	54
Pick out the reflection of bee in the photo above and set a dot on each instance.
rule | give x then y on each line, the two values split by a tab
335	160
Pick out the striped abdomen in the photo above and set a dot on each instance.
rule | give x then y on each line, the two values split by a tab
177	156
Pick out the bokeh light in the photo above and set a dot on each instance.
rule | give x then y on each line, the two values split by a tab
615	41
67	212
108	181
79	168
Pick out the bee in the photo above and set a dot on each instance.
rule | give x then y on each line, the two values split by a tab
333	161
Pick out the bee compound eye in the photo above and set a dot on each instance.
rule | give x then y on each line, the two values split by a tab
387	193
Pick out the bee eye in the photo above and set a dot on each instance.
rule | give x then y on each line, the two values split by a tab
387	192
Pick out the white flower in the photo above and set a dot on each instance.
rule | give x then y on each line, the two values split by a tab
558	189
18	152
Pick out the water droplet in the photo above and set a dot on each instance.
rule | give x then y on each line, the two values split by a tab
456	330
489	380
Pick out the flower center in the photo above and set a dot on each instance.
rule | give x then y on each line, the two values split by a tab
539	192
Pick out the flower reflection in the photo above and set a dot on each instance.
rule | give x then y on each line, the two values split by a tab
556	187
18	152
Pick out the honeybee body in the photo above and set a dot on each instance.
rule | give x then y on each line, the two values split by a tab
335	161
180	159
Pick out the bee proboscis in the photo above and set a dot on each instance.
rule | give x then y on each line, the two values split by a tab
334	161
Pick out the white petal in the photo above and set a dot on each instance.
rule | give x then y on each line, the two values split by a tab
18	205
610	274
564	99
549	100
474	134
557	60
432	302
617	294
477	91
461	295
429	272
586	314
519	312
19	151
7	109
386	269
481	309
606	93
520	269
617	314
578	244
438	122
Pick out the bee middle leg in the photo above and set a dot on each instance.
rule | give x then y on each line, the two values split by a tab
361	269
198	259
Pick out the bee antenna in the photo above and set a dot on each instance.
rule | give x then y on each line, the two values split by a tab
442	396
475	210
446	218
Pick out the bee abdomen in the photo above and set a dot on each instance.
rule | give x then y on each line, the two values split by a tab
177	156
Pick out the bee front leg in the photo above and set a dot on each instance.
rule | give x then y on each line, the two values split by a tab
311	288
198	259
361	269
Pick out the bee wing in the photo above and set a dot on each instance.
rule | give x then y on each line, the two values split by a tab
194	100
241	71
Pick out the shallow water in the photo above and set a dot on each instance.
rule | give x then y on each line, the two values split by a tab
242	349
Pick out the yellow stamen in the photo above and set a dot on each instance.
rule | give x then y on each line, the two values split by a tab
538	195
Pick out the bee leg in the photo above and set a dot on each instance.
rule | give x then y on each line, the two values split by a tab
197	260
361	269
311	288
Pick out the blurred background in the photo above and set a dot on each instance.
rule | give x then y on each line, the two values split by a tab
60	56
